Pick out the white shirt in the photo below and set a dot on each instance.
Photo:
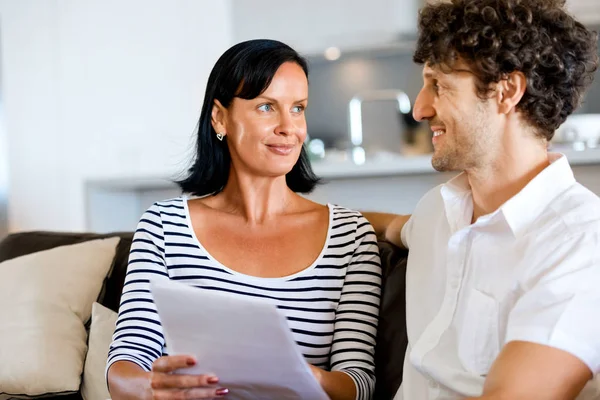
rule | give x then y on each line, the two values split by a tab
529	271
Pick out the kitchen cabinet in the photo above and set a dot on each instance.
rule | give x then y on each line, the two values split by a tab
311	26
586	11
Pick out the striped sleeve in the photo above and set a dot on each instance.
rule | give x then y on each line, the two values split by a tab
138	334
355	328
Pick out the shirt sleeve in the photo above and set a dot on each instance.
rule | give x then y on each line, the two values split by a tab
138	335
405	232
355	327
560	306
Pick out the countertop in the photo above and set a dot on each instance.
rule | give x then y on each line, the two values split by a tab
384	165
413	165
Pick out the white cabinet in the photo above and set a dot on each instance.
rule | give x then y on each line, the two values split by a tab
586	11
311	26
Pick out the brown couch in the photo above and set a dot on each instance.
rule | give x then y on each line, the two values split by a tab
391	341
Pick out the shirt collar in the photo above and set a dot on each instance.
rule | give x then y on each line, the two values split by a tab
525	207
520	210
458	203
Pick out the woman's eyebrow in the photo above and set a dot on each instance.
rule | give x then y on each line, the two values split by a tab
272	100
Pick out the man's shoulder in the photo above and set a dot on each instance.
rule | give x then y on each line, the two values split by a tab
431	203
565	234
425	216
575	212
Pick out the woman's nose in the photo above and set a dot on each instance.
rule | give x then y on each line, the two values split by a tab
286	124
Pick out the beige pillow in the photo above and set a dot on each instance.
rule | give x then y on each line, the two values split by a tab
103	326
45	299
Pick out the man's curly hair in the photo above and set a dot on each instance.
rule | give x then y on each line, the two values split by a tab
556	53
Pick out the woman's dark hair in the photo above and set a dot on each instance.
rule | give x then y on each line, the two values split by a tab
557	54
244	71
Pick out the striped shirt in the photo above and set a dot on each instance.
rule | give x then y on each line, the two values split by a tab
332	306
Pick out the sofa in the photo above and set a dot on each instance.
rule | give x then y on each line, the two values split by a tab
391	341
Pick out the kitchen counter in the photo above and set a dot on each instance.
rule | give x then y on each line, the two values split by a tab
387	164
387	183
395	165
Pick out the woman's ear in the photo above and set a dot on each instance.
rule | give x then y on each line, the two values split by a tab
511	91
218	118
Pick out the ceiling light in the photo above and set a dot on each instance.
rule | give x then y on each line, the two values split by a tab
332	53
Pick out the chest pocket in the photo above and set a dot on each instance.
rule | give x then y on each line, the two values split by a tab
478	341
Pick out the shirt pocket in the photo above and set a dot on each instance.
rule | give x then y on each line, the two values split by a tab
478	342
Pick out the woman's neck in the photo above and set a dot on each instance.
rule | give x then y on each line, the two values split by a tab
256	199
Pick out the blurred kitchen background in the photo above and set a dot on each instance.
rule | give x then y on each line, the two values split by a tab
99	100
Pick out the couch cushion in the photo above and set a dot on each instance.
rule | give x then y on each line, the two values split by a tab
392	338
93	386
19	244
45	300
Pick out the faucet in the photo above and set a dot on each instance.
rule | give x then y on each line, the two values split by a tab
355	115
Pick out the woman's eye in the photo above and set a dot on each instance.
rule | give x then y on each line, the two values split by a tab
265	108
298	109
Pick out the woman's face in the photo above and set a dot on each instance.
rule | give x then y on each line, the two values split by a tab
265	134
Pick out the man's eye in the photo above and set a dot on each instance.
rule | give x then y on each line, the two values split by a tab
265	107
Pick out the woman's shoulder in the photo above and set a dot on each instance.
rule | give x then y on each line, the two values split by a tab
340	212
175	203
166	210
344	218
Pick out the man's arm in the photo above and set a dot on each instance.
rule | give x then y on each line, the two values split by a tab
525	370
387	226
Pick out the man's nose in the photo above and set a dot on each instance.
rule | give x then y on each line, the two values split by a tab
423	108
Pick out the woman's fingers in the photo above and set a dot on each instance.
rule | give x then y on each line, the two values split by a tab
189	394
168	386
175	381
167	364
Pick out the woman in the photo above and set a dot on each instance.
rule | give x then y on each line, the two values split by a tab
248	231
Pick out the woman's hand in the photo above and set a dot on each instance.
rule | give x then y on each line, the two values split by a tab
167	385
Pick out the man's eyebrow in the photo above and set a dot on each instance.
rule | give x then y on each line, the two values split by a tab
437	75
464	71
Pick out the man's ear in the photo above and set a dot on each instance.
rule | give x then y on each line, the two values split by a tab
218	117
510	91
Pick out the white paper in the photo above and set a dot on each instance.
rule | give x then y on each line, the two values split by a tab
246	342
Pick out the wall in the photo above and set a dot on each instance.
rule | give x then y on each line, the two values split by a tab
3	176
314	25
100	89
3	169
591	102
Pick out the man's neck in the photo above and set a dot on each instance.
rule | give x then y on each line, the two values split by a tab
504	177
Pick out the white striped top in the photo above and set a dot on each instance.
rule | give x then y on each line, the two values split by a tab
332	306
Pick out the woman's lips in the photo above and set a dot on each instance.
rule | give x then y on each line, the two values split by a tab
281	149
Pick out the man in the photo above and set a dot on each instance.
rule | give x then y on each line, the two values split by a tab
503	280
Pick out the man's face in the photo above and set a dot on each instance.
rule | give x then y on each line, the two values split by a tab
464	128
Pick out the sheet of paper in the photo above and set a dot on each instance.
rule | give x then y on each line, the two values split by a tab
244	341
